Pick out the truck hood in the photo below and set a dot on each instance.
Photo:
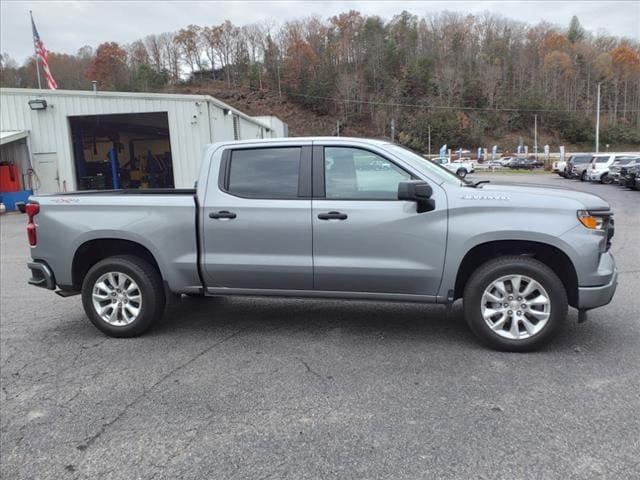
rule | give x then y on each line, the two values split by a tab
588	200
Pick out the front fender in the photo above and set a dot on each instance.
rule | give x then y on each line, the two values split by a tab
470	227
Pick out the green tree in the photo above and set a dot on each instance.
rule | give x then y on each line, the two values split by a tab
575	33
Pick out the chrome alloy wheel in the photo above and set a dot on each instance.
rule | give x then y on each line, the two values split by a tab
116	298
516	307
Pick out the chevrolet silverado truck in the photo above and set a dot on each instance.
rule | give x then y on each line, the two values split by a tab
327	217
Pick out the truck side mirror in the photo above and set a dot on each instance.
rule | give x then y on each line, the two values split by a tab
417	191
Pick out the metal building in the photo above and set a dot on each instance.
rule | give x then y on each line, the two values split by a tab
64	140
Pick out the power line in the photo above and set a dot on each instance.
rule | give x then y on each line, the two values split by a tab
446	107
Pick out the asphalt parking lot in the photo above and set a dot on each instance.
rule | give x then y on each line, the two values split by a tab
249	388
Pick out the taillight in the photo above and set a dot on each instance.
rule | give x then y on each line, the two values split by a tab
32	209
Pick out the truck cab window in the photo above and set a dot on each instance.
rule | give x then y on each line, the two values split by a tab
264	173
356	174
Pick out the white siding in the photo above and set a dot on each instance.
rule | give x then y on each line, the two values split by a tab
279	129
194	121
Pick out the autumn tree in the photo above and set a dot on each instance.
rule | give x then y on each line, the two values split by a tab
189	42
109	67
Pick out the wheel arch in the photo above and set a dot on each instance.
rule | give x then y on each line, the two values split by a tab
550	255
92	251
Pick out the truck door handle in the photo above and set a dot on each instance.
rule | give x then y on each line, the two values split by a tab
332	216
222	214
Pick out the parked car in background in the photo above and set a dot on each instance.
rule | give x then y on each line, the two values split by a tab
521	164
459	167
312	218
599	169
504	161
559	166
620	163
490	164
630	176
576	166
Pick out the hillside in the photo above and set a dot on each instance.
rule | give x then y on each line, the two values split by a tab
301	121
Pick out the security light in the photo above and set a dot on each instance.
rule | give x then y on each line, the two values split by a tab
226	111
37	104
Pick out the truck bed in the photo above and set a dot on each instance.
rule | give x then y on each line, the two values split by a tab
163	221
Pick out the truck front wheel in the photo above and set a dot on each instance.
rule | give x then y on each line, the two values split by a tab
123	295
515	303
462	172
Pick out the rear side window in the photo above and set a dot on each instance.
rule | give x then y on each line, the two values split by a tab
602	159
264	173
581	159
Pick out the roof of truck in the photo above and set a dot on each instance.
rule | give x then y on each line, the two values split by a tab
375	141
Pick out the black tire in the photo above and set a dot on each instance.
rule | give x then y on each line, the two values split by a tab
583	176
515	265
151	290
461	172
605	179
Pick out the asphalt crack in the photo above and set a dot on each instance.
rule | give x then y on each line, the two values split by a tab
105	426
309	369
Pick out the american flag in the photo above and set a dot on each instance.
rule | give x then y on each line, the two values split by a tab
41	54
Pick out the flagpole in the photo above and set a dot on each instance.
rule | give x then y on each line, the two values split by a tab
36	52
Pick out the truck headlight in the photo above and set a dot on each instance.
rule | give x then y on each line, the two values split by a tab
591	221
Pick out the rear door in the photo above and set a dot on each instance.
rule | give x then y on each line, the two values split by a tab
256	219
365	240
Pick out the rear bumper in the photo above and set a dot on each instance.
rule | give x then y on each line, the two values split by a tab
41	276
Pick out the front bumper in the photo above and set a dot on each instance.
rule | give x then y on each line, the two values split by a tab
600	295
594	297
594	177
41	276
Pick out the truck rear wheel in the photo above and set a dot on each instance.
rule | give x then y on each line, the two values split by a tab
515	303
123	295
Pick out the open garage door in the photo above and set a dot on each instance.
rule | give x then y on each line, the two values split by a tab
122	151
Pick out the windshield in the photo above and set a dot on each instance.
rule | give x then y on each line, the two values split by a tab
438	171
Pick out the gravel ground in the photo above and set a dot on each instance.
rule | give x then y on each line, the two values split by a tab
276	388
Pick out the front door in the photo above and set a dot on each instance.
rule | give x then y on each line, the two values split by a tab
364	238
256	220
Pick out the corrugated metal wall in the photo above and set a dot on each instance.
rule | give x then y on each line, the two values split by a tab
193	123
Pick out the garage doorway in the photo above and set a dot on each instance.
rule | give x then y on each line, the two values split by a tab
122	151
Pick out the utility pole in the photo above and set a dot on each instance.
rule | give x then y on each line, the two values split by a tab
393	129
429	141
338	127
535	136
598	121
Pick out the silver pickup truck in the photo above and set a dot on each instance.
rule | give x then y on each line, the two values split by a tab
330	217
